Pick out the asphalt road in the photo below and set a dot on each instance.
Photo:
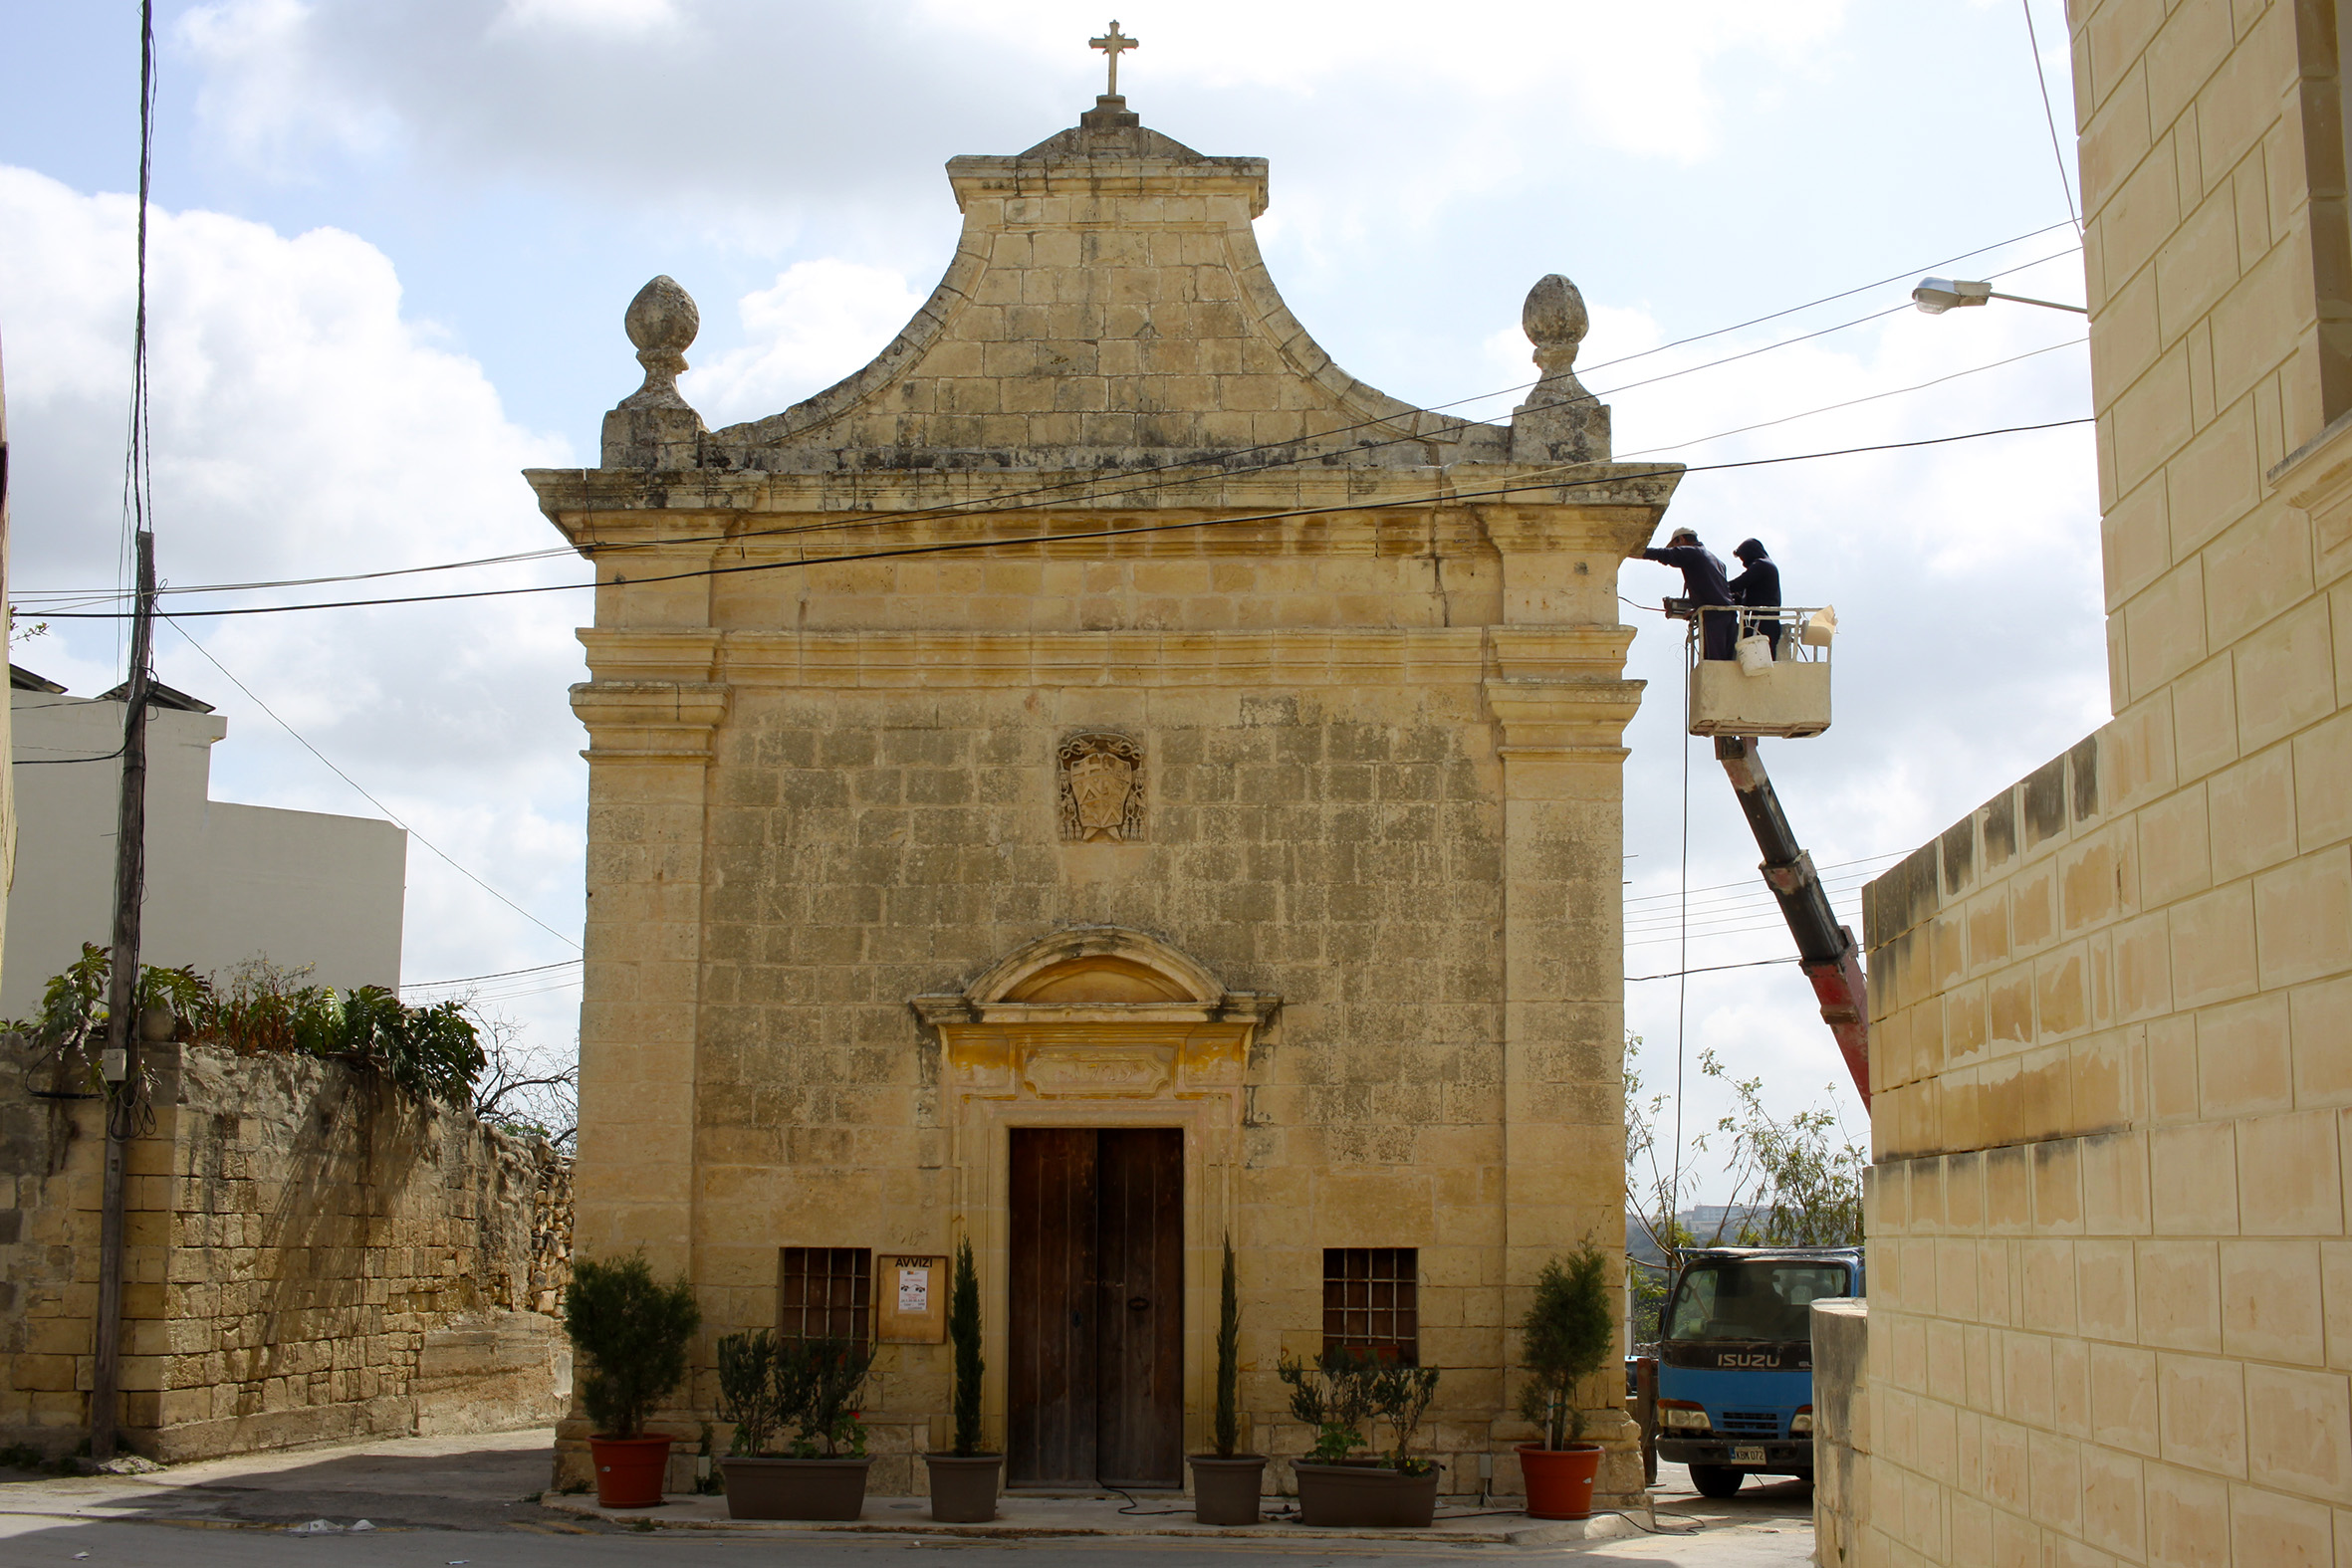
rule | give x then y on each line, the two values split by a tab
436	1502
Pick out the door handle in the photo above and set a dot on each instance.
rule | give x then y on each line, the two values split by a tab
1138	1304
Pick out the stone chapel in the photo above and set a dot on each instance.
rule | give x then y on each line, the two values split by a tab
1098	781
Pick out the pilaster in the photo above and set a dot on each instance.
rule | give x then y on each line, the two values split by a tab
1559	705
650	744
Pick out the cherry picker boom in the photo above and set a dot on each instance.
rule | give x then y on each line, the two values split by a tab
1779	685
1826	950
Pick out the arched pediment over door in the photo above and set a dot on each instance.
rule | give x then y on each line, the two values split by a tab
1092	1012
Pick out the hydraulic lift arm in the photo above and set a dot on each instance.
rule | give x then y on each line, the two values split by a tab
1831	959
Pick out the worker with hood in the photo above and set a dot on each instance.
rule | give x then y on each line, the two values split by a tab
1704	584
1758	587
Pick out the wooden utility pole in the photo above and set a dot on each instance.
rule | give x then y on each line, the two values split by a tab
120	1063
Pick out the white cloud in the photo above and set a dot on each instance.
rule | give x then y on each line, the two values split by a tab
274	94
1634	78
618	18
304	425
1470	106
818	323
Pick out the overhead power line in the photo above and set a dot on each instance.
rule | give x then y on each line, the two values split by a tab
1830	408
1708	969
499	973
1835	865
363	789
1286	455
2049	117
1442	497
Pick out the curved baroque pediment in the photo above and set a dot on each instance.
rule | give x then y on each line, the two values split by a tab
1106	307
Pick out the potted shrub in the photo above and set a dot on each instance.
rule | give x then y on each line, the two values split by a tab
1566	1337
1226	1485
631	1334
964	1481
749	1398
822	1475
1344	1390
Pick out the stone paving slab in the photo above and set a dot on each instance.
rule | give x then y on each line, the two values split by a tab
1041	1517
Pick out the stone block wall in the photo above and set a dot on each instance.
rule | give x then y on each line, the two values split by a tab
2110	1037
1841	1428
1339	848
310	1255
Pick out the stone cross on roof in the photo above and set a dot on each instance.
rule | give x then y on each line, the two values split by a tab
1111	44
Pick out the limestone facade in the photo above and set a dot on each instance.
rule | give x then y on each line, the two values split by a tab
309	1255
1103	712
2110	1270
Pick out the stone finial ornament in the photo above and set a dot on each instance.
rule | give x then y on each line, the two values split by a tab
654	427
1560	421
1554	317
662	321
1555	323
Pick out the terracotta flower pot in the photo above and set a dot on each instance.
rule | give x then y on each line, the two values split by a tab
964	1486
1362	1493
1226	1491
628	1471
766	1489
1560	1481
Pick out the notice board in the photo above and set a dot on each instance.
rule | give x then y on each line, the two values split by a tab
910	1299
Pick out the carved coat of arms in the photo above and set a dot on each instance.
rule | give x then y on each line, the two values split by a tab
1102	789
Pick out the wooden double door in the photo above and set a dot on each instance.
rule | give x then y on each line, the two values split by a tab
1096	1309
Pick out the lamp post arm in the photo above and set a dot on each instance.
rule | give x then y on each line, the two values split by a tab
2048	305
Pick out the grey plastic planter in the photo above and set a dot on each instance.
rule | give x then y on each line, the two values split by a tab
1363	1493
766	1489
964	1486
1226	1491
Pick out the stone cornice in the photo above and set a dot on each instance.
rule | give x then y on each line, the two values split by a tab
1586	718
645	654
1533	659
638	506
1090	180
1240	1006
649	721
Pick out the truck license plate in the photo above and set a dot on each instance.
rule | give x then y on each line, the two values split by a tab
1748	1456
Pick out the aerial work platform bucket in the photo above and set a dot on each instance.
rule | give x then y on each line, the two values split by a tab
1757	692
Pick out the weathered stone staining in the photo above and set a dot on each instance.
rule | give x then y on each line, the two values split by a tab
1102	712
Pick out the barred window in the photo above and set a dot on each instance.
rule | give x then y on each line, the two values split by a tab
826	1292
1373	1299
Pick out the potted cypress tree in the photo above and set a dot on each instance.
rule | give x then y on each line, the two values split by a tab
1346	1389
1226	1485
1566	1337
631	1334
964	1481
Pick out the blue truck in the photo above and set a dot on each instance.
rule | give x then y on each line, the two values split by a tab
1736	1359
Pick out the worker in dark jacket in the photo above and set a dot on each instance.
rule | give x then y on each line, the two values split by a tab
1702	583
1758	587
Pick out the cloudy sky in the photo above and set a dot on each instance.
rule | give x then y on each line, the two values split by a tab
393	239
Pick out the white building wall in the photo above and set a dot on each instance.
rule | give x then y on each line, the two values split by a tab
224	882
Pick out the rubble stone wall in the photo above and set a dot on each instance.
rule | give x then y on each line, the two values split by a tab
310	1255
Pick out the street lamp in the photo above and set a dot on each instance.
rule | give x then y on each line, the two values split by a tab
1935	296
